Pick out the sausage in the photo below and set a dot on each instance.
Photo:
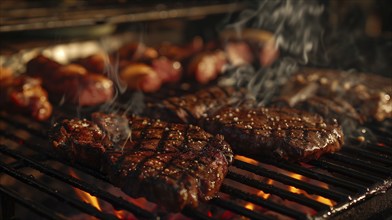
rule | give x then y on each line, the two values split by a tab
183	52
268	53
71	82
168	71
140	76
137	52
239	53
25	94
206	66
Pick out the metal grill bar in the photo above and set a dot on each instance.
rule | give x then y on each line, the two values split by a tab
195	214
383	150
27	127
75	17
335	181
327	163
117	202
331	194
368	154
360	163
345	170
262	202
238	209
32	206
55	193
301	199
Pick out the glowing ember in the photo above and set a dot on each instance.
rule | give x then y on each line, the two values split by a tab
250	206
299	191
246	159
292	189
85	196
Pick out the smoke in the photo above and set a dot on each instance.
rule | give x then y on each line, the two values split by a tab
298	32
135	101
296	24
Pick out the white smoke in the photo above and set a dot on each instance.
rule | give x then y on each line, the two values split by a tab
298	32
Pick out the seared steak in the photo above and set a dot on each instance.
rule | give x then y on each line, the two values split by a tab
369	94
172	164
282	132
193	107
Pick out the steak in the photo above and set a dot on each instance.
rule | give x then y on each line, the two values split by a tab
369	94
174	165
282	132
192	108
331	109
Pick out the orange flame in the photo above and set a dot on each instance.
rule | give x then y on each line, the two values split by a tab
85	196
290	188
317	198
119	214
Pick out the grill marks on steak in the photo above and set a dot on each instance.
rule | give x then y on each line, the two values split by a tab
174	165
193	107
286	133
253	131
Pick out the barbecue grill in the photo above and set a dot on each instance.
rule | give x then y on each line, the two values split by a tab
355	183
358	179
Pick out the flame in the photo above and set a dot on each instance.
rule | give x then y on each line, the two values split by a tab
317	198
85	196
249	206
119	213
293	189
246	159
325	201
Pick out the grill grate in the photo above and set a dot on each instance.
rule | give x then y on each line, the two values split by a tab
354	174
46	16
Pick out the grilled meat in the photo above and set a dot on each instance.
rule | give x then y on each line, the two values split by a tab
25	94
249	45
369	95
282	132
192	107
206	66
140	76
239	53
172	164
333	108
72	82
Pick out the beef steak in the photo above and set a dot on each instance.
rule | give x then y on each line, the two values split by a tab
286	133
172	164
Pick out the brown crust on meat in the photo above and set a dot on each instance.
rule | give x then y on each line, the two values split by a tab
174	165
193	107
369	94
282	132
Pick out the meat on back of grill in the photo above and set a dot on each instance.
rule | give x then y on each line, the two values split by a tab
191	108
286	133
71	83
369	94
172	164
26	95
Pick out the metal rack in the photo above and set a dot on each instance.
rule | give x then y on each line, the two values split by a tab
32	16
354	175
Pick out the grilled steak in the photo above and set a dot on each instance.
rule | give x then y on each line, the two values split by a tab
370	95
333	108
172	164
282	132
192	107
